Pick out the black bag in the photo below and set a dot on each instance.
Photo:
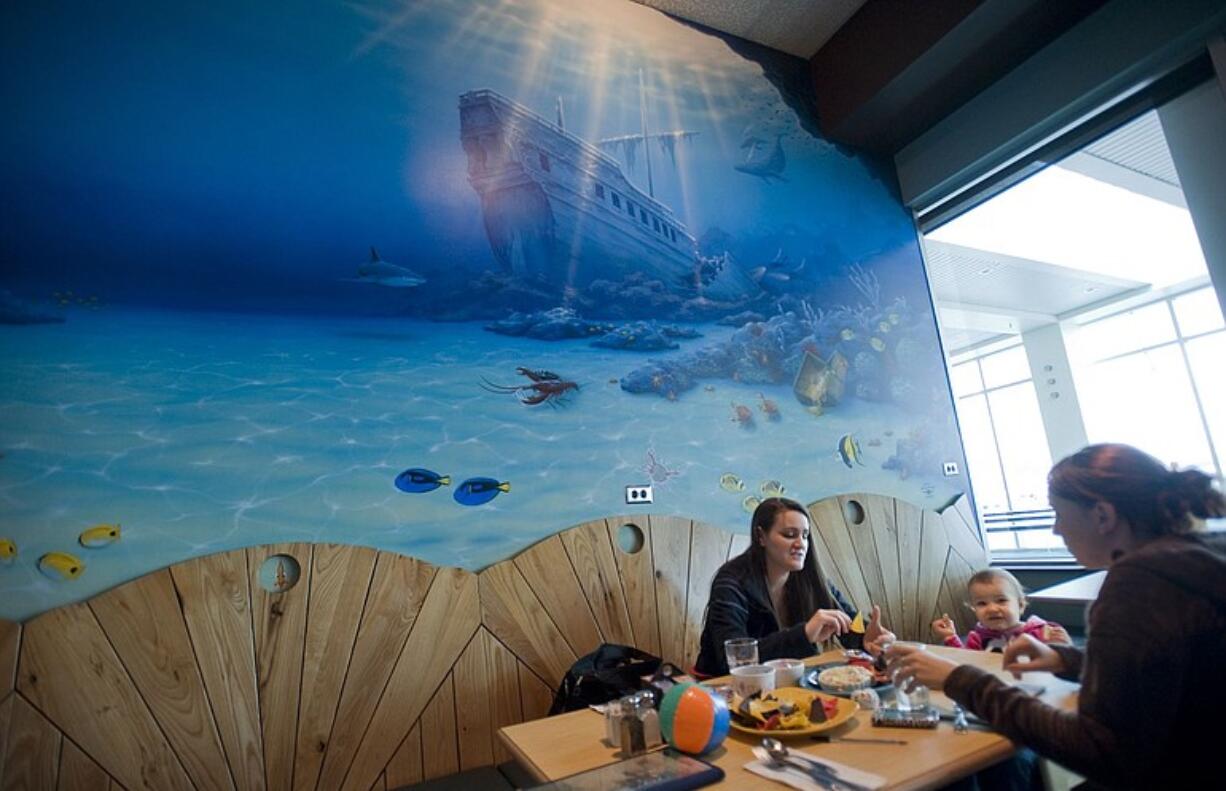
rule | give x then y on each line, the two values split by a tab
607	673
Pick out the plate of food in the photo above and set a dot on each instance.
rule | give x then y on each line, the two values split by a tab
789	711
844	678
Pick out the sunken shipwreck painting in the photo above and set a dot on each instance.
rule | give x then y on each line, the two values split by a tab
440	278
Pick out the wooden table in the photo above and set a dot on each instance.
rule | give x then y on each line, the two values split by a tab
1082	590
563	745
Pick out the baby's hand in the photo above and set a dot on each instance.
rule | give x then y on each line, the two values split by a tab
944	627
1054	633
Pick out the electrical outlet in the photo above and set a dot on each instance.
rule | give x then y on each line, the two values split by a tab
951	468
639	495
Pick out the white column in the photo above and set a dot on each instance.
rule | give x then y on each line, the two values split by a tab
1053	384
1195	128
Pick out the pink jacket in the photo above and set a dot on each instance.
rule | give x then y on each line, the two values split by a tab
982	638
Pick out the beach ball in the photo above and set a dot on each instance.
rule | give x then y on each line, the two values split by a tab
693	719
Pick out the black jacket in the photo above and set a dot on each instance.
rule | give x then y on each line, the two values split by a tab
740	606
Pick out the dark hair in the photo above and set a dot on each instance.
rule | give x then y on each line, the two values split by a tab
1153	500
990	575
806	590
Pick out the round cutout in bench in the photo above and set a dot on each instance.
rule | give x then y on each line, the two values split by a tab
853	512
630	538
279	573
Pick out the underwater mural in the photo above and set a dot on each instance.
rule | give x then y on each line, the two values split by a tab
440	278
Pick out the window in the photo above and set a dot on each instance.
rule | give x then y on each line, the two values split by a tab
630	207
655	223
600	191
1006	447
1090	274
617	200
643	214
1144	377
544	160
672	232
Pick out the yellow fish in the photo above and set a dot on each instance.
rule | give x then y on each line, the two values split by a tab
849	450
730	483
847	334
893	317
857	624
8	549
61	565
750	504
99	536
883	326
877	343
772	488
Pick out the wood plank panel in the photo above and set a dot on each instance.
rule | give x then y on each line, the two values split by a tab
439	756
961	508
449	617
280	634
397	591
6	720
78	772
33	751
933	554
340	579
963	537
405	767
828	514
216	601
864	549
535	697
546	567
504	705
910	521
68	667
592	556
708	551
637	573
10	642
145	626
511	611
472	705
740	543
380	784
825	559
957	574
670	549
881	517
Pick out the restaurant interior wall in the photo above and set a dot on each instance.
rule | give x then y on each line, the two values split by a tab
440	280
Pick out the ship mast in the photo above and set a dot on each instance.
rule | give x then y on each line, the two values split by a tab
628	144
651	188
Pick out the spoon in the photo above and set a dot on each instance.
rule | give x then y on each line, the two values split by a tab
822	773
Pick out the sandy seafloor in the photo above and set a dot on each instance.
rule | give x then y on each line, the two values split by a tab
202	432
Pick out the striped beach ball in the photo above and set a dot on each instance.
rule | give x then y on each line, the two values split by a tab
693	719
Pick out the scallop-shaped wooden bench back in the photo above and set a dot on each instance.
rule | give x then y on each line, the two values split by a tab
379	670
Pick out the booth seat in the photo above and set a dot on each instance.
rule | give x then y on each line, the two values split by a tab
376	670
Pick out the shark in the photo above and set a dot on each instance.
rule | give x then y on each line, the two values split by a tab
381	273
766	167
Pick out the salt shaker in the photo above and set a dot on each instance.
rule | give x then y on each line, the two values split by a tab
630	727
651	722
612	722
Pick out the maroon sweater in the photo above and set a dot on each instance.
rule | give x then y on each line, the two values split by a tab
1153	693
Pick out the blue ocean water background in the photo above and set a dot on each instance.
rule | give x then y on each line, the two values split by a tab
204	432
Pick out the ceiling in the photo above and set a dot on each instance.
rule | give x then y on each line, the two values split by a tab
983	296
797	27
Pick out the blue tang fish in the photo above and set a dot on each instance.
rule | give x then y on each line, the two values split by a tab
416	480
479	491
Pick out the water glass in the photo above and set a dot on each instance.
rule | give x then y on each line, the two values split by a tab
915	700
788	672
741	651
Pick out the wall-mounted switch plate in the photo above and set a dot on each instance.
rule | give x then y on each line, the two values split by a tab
639	495
951	468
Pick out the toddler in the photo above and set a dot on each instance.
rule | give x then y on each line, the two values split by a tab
998	602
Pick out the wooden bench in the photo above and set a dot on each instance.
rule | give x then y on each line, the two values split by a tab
378	670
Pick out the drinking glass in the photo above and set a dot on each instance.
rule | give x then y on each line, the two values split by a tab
917	698
741	651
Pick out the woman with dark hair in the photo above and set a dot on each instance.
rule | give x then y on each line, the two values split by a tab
1152	696
775	592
